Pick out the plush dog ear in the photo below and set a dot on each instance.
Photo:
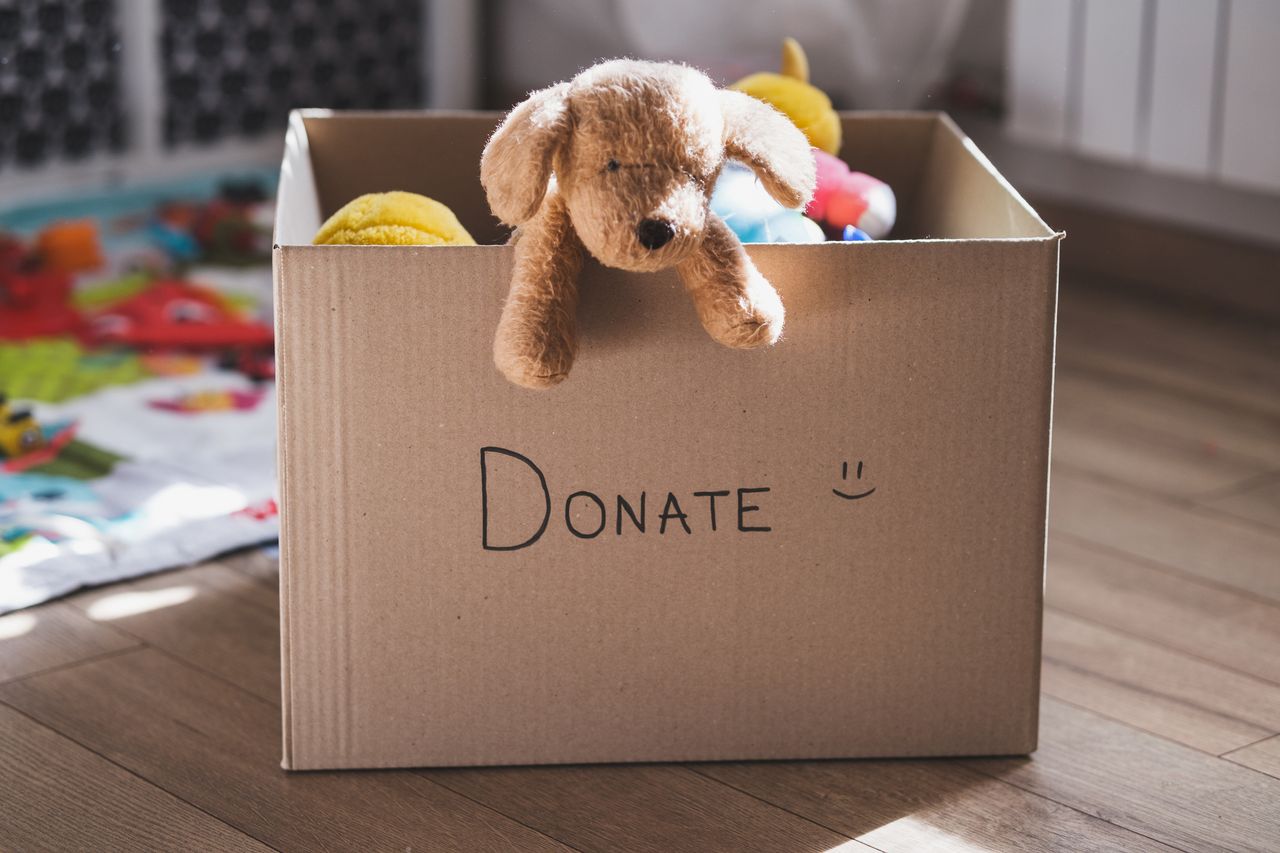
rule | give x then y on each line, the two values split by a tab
771	145
516	163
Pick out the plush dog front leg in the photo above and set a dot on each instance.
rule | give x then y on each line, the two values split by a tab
737	306
537	335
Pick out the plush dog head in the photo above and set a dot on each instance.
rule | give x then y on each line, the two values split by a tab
635	148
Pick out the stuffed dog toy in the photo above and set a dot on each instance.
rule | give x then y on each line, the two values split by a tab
621	161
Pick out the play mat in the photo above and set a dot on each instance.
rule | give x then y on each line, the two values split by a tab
137	422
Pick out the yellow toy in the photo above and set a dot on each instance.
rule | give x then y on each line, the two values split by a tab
790	93
19	432
394	219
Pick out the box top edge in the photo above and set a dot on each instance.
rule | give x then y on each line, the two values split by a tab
324	114
948	125
828	245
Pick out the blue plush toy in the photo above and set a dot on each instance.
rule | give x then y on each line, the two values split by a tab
751	213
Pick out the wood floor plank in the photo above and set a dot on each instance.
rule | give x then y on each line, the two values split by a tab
1195	727
638	808
218	748
925	805
1233	630
53	635
1215	357
1156	689
217	624
223	577
1212	547
1263	756
57	796
1211	389
1167	464
1109	399
1147	784
1095	313
255	563
1258	502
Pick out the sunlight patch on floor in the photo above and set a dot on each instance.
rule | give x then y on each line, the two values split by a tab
16	624
124	604
918	833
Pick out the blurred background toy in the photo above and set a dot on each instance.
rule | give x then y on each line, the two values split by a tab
790	93
70	246
25	443
233	228
19	432
755	216
394	219
846	198
35	298
177	315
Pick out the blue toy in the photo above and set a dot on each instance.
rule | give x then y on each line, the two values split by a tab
751	213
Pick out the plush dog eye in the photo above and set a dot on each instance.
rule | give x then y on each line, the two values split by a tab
613	165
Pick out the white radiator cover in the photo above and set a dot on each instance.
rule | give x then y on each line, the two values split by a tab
1189	87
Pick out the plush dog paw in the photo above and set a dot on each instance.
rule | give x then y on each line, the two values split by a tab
539	365
746	333
748	322
532	375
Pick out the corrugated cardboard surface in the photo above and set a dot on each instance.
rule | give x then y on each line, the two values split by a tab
905	622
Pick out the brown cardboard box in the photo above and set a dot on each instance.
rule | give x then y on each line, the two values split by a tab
442	607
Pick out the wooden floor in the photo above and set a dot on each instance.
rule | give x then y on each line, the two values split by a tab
145	715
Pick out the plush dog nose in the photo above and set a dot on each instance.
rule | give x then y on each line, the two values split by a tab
654	233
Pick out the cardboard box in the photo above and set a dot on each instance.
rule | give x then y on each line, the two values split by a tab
830	548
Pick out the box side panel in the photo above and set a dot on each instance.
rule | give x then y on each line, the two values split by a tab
437	155
297	204
962	196
902	622
282	476
1048	272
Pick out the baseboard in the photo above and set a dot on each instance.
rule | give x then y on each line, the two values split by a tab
1226	274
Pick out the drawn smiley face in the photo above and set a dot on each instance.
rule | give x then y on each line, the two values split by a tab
844	475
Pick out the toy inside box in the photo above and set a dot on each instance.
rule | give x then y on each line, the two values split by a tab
833	547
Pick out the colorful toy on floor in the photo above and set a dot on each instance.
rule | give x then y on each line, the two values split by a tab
53	370
200	402
19	432
95	483
755	216
846	198
24	443
70	246
790	93
634	147
393	219
176	315
53	439
233	228
35	300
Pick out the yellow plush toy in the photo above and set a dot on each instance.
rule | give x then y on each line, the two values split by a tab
790	93
394	219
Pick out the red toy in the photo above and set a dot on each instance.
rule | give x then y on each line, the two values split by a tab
176	315
845	198
34	301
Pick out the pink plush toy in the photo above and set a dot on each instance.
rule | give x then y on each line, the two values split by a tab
845	198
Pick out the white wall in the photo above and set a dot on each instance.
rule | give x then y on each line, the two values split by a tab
1168	108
